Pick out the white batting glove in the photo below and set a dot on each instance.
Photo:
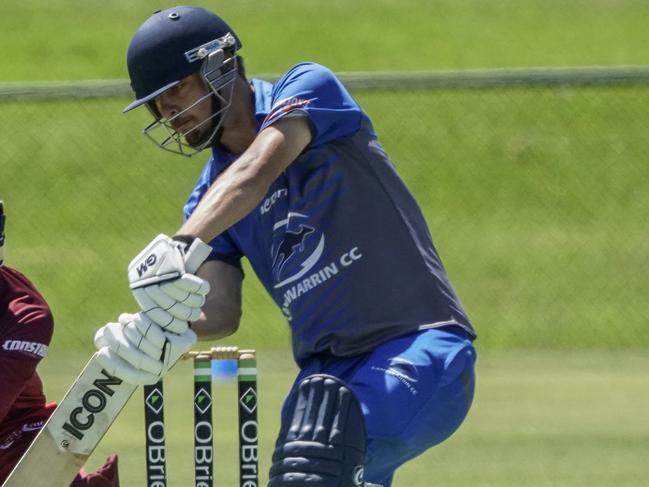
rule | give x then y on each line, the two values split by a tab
125	359
118	367
156	342
138	350
163	284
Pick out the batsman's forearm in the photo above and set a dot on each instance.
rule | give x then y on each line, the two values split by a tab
240	188
230	198
220	317
213	331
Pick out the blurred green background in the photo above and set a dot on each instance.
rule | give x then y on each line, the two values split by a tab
86	39
537	199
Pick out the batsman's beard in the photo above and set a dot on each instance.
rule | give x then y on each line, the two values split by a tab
202	135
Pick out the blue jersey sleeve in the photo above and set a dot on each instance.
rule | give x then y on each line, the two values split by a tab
315	91
223	247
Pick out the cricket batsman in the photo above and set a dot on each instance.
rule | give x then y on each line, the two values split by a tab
298	183
26	327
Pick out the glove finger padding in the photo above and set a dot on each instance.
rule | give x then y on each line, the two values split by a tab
189	283
135	336
158	315
179	310
117	366
148	328
167	322
186	290
138	350
160	299
113	336
322	441
182	295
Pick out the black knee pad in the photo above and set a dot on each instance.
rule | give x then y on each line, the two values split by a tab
322	441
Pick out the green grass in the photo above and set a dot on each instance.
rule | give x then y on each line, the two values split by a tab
559	419
346	35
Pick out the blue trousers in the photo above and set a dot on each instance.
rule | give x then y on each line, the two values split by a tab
414	391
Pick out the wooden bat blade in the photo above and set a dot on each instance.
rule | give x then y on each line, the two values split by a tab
73	431
45	464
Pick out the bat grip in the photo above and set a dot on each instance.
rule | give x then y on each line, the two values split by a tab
196	254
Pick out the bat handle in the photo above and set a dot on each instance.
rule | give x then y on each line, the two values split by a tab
196	254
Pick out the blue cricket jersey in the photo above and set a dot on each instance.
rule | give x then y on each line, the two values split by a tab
338	241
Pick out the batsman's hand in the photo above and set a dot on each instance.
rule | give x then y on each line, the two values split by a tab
139	351
163	283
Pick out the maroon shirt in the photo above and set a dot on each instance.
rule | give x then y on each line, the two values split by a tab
26	327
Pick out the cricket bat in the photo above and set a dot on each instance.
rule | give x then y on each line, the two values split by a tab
74	429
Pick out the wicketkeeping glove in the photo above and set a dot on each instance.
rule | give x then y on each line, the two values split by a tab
164	285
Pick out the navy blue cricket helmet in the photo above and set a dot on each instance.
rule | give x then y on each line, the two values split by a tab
160	53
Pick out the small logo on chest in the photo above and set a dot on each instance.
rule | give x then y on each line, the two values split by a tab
268	203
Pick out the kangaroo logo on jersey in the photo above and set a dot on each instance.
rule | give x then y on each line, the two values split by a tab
292	244
296	248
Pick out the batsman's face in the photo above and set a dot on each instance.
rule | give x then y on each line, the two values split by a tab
188	109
